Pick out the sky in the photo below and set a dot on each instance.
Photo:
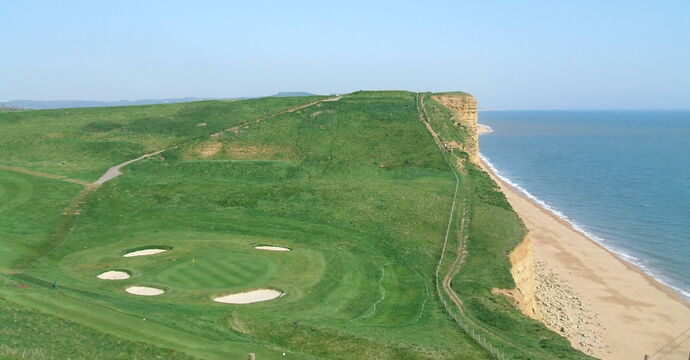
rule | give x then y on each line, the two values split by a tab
509	54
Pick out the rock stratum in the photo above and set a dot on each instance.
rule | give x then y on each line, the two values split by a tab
464	108
542	295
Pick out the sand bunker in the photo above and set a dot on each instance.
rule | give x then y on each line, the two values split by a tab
249	296
114	275
145	252
271	248
144	291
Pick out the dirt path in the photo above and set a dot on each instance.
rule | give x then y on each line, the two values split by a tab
70	214
457	262
110	174
236	128
43	174
72	211
114	171
468	325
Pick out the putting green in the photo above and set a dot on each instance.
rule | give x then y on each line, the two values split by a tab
198	268
216	270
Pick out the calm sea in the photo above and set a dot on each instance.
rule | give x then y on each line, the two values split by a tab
622	177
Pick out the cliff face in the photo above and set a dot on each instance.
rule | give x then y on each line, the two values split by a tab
523	271
464	106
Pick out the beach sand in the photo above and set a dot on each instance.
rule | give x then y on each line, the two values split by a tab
629	312
483	129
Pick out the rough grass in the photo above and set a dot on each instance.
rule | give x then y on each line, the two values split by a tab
493	231
30	209
358	187
441	118
360	192
32	335
82	143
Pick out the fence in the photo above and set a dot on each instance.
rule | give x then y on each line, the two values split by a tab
464	325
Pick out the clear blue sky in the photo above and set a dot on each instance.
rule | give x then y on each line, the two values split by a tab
510	54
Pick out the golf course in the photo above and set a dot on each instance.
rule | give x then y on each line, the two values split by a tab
354	226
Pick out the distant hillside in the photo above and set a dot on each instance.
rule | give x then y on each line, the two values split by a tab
293	93
61	104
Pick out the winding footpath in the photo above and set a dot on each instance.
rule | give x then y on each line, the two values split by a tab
446	286
71	213
43	174
114	171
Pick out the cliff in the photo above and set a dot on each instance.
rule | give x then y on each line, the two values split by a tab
523	271
464	108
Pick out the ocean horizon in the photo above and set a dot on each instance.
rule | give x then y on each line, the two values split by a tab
619	176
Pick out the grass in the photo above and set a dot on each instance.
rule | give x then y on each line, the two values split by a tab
34	335
356	188
492	231
442	120
30	209
82	143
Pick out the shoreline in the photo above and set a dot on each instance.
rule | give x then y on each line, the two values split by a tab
556	215
635	313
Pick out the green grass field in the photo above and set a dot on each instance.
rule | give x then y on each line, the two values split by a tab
356	188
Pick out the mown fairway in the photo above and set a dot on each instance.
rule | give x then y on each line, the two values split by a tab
356	188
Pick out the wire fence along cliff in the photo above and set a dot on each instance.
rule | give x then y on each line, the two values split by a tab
443	288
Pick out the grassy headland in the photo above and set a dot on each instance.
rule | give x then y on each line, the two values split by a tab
357	188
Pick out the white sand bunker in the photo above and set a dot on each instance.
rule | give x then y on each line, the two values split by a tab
144	290
145	252
249	296
271	248
114	275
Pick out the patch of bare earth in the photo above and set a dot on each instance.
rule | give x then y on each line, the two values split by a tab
319	112
208	148
248	152
42	174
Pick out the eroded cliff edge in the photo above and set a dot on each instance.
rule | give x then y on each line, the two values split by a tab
464	108
524	274
543	296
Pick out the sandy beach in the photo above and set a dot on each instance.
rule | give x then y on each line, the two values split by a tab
623	313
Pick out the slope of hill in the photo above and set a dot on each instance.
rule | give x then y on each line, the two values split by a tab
355	187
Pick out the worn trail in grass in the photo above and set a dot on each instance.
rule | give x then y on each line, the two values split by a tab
348	185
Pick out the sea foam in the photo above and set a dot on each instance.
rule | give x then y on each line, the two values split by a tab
621	254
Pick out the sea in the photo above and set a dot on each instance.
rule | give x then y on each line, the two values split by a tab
621	177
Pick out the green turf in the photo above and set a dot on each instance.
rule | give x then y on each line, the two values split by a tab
82	143
492	231
356	188
33	335
31	208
